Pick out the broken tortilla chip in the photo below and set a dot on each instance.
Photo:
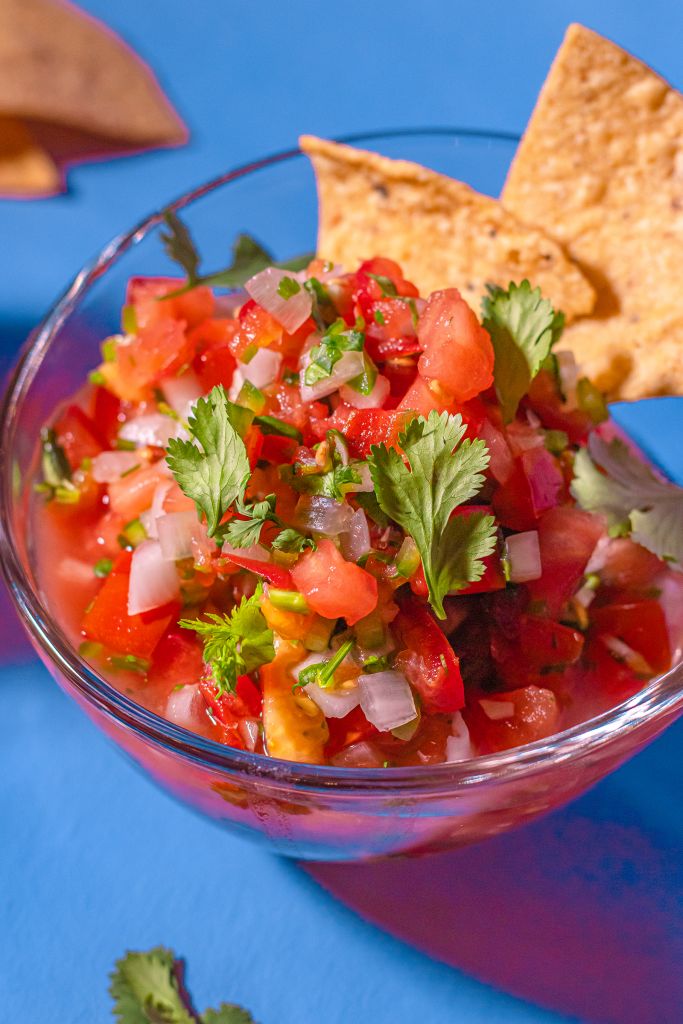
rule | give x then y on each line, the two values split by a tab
442	232
600	168
25	168
61	68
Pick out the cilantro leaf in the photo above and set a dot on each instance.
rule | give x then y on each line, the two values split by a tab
337	339
235	644
523	327
213	468
293	542
243	533
227	1013
322	672
611	481
248	258
444	471
145	989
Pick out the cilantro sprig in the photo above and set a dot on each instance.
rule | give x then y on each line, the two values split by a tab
235	644
147	989
523	327
322	672
443	472
248	258
337	339
611	481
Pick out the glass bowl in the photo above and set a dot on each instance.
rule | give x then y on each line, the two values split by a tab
309	812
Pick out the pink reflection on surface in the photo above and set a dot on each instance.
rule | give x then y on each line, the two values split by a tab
581	912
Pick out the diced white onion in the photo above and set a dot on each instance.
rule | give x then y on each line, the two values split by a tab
291	313
366	485
186	706
599	558
176	532
156	509
225	306
73	570
459	745
349	366
249	731
524	555
334	703
110	466
153	580
501	464
323	515
256	552
262	369
497	710
585	596
152	428
622	652
181	393
355	541
358	755
374	400
387	700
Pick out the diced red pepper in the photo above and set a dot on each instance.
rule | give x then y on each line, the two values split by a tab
274	574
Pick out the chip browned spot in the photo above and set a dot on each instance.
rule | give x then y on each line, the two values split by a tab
600	168
441	231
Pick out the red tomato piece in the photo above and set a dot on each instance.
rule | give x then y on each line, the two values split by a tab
177	660
567	538
546	401
215	366
144	294
534	486
106	409
421	398
608	674
531	713
257	328
374	426
278	450
274	574
107	620
536	647
641	625
159	349
628	566
457	351
78	436
427	658
380	266
353	728
333	587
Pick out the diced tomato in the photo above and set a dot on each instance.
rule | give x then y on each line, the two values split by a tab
229	709
144	294
379	266
319	422
277	449
334	587
107	620
537	647
132	494
374	426
253	442
641	625
608	674
628	566
427	658
159	349
546	401
215	366
215	332
390	330
567	539
274	574
534	486
256	329
106	410
78	436
423	396
457	351
531	713
177	660
353	728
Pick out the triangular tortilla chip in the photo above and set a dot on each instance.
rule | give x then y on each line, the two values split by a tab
600	168
25	168
58	64
442	232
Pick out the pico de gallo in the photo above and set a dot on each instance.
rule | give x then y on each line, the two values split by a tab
330	520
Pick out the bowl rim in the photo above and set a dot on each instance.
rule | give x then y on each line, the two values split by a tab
660	699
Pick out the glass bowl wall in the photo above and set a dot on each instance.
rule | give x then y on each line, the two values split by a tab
303	811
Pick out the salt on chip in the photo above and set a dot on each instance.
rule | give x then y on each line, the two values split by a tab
25	168
441	232
600	168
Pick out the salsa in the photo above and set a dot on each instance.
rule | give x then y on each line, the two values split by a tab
330	520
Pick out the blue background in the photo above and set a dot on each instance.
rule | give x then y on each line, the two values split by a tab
92	858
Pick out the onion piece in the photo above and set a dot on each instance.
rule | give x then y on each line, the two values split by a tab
497	710
176	532
387	700
152	429
156	509
459	745
349	366
261	370
186	707
334	703
110	466
249	731
355	541
366	485
323	515
256	552
376	398
358	755
524	555
501	464
181	393
153	580
290	312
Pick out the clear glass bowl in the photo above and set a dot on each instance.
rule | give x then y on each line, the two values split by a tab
310	812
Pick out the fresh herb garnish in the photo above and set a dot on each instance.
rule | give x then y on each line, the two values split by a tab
273	425
248	258
235	644
444	472
293	542
322	673
337	339
244	533
523	327
147	989
57	482
103	567
387	286
376	663
610	480
323	310
212	468
288	288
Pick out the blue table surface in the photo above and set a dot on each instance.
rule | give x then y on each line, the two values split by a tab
93	859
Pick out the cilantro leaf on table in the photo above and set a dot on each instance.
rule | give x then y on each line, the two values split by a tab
443	472
611	481
145	989
523	327
337	339
244	533
212	468
248	258
235	644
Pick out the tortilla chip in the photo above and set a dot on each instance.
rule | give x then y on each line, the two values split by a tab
58	64
600	168
25	168
442	232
